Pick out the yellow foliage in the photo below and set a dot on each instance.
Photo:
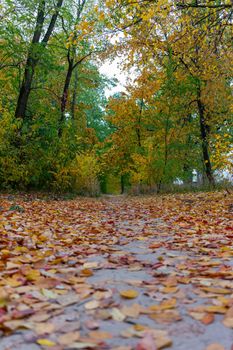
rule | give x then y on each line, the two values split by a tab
222	156
11	168
85	171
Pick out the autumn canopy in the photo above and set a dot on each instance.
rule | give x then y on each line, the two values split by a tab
59	131
116	199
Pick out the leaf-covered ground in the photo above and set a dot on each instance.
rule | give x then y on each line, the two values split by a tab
121	273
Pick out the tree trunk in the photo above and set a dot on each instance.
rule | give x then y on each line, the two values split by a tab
74	94
33	56
31	62
64	97
122	184
138	128
25	89
72	65
204	140
165	155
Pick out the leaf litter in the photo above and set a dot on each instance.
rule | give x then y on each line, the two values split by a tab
120	273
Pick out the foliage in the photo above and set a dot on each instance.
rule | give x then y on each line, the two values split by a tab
176	112
163	260
86	170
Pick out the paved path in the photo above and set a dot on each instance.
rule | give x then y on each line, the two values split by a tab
184	285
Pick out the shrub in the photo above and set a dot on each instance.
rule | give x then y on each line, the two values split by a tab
85	171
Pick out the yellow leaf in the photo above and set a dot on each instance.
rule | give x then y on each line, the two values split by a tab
45	342
170	289
139	328
33	275
216	309
129	294
86	272
216	290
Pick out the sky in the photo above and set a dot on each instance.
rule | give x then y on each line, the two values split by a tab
111	70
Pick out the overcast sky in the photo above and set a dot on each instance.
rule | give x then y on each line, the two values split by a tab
112	70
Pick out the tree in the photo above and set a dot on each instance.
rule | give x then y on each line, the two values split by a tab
38	43
52	94
197	39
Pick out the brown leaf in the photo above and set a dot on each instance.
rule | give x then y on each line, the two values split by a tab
94	304
167	316
208	319
131	311
67	299
215	346
146	343
100	335
44	328
68	338
228	322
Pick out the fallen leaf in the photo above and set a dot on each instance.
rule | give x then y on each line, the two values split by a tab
90	324
94	304
100	335
165	305
170	290
117	315
46	342
216	290
44	328
129	293
66	300
131	311
81	345
40	317
167	316
146	343
16	324
216	309
68	338
161	338
215	346
86	272
207	319
228	322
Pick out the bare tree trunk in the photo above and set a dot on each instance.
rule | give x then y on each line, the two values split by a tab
72	65
33	56
165	154
138	128
64	97
25	89
122	184
30	64
74	94
204	140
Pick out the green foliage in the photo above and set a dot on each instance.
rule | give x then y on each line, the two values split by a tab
175	116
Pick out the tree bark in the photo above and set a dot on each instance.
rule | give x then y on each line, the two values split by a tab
25	89
64	97
72	65
165	154
33	56
122	184
138	128
204	140
74	95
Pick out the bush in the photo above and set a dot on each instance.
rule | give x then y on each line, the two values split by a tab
85	171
